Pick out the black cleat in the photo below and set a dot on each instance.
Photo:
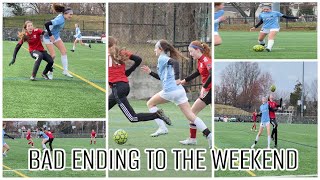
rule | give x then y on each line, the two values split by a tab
45	76
269	50
89	45
164	117
263	45
275	146
72	50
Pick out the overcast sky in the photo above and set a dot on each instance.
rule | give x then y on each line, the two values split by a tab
284	74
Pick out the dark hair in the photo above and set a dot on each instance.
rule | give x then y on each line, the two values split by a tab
60	8
170	50
22	35
217	4
204	48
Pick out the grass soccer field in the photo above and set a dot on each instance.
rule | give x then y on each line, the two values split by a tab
288	45
138	137
17	159
61	97
302	137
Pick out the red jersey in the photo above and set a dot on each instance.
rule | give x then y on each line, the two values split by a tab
49	134
204	66
117	72
28	136
254	116
93	134
34	41
273	105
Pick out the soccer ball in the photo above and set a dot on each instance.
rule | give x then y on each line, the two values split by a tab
258	48
273	88
120	136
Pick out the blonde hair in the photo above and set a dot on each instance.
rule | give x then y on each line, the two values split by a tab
22	35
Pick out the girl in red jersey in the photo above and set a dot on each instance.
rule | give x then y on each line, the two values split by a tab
51	138
32	36
273	107
118	82
254	119
202	53
29	138
93	137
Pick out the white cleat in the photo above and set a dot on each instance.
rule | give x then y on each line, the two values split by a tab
159	132
209	138
66	73
4	154
253	145
50	75
189	141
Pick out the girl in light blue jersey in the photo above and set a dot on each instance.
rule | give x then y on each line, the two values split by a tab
78	37
53	36
218	17
270	21
172	90
265	121
44	137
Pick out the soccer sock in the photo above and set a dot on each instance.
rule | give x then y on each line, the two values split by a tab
29	142
261	42
270	44
193	131
257	139
90	141
64	61
44	146
94	142
201	126
160	122
73	47
86	44
269	139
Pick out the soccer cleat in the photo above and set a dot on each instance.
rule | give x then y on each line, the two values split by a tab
209	138
263	45
89	45
4	154
72	50
189	141
50	75
159	132
66	73
251	129
253	145
165	118
269	50
45	76
32	78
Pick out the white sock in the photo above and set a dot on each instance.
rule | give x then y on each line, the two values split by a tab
261	42
269	140
64	61
86	44
73	47
44	146
257	138
270	44
160	122
199	124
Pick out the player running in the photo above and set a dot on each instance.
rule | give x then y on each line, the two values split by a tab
173	91
273	107
119	84
265	121
51	138
44	137
29	138
254	119
52	37
93	136
78	39
218	17
5	146
201	52
32	36
270	27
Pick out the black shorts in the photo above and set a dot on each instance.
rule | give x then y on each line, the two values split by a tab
208	98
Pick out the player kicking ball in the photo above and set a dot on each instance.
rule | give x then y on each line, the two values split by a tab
93	137
265	122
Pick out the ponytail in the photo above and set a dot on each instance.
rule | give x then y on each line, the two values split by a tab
58	8
116	53
203	47
170	50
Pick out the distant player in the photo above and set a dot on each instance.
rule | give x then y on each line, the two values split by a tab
52	37
265	122
44	137
172	90
270	21
218	17
200	52
254	119
51	138
32	36
273	107
93	136
78	39
29	138
5	146
119	84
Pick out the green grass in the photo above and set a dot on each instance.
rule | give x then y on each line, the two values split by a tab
61	97
288	45
17	158
139	138
302	137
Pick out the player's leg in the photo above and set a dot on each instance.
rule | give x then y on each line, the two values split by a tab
91	140
269	134
31	142
274	134
152	105
271	37
258	135
74	45
85	44
64	58
94	140
111	101
261	37
5	149
44	142
37	55
217	40
49	65
50	143
52	53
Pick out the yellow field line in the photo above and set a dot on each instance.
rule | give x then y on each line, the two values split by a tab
15	171
251	173
80	77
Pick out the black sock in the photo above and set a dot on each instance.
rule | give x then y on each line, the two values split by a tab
206	132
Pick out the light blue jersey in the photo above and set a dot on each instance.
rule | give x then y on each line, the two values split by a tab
3	133
56	27
216	16
270	19
43	135
264	109
166	74
78	33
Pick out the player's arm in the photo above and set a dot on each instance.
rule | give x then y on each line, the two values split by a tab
137	61
257	25
47	25
192	76
175	64
206	84
15	52
290	17
280	104
9	136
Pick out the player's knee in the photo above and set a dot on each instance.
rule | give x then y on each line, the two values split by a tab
150	104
